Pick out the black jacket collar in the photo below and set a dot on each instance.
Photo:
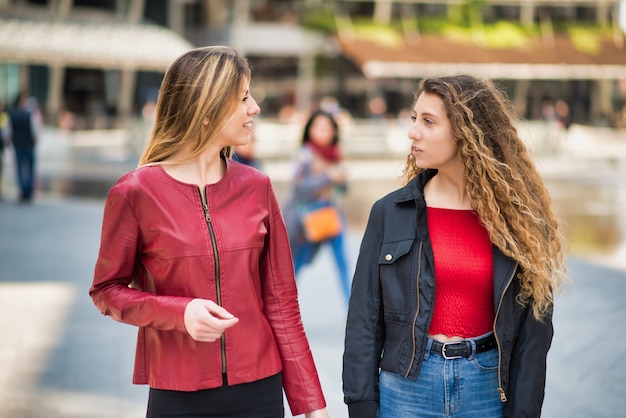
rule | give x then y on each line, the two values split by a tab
414	190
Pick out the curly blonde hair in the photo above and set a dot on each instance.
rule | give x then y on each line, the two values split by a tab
203	84
505	189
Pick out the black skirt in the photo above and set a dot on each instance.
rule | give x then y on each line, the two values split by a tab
260	399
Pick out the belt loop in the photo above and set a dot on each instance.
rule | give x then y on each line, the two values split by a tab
429	344
473	346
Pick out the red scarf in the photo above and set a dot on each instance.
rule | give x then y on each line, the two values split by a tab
331	153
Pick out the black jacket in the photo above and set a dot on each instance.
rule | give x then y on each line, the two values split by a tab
391	309
22	130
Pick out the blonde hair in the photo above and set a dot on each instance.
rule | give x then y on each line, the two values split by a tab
505	188
202	85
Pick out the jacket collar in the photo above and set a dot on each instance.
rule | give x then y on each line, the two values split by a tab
414	190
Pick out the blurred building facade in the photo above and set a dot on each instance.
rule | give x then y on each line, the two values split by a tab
94	60
543	52
103	60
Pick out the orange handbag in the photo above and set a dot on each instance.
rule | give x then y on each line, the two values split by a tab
322	224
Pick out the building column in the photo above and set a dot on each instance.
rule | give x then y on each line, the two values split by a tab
126	92
60	8
55	91
602	13
135	11
241	9
176	17
24	77
304	84
527	12
520	98
605	98
217	12
382	11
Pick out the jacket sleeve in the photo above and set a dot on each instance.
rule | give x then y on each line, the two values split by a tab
111	289
528	366
365	331
280	297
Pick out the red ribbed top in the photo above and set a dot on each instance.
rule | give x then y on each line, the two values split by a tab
463	273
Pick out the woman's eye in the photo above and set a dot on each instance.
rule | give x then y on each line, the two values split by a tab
245	98
413	118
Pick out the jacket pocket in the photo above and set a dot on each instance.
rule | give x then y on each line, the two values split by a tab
397	277
390	252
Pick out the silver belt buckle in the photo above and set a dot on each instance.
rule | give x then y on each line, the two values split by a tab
443	351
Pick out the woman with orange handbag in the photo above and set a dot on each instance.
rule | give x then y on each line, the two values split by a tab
320	183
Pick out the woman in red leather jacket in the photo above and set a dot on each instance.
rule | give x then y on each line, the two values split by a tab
194	252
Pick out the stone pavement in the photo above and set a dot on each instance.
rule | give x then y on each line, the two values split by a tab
59	358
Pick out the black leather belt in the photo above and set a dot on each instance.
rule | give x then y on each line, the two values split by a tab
463	348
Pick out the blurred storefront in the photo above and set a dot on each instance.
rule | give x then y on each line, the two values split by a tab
543	52
95	60
102	60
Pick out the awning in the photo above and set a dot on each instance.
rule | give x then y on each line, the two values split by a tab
89	44
432	55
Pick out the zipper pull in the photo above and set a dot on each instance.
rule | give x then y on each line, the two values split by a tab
502	395
206	212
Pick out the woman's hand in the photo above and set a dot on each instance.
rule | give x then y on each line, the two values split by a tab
318	413
206	321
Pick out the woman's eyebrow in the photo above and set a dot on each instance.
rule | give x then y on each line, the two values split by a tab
432	115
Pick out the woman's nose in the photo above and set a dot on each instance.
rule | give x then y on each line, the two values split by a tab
254	109
414	133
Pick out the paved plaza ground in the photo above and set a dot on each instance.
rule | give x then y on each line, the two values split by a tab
59	358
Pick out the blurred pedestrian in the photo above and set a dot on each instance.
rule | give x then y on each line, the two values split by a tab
246	153
194	252
23	126
4	134
451	306
320	182
561	109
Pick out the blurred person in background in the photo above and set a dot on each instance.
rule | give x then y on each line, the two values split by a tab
4	134
319	181
24	126
194	252
246	154
452	300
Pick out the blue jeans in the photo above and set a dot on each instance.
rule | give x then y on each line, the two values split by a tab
305	253
459	388
25	166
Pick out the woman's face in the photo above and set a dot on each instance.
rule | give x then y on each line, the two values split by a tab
433	144
322	131
238	130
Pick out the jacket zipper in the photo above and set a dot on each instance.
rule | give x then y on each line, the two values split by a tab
417	286
500	390
218	287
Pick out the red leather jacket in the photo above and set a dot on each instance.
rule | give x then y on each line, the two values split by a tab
158	235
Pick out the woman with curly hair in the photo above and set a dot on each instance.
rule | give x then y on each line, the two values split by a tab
451	305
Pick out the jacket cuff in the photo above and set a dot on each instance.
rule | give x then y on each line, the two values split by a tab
365	409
